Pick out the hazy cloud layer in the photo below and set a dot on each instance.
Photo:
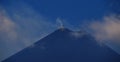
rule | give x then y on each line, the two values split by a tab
21	27
7	32
7	26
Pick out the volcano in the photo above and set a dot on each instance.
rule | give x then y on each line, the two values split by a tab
65	45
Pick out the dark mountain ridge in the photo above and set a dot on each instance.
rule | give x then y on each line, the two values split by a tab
63	46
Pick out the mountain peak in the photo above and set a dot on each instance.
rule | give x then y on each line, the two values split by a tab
63	29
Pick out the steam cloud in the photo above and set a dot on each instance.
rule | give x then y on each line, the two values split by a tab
59	21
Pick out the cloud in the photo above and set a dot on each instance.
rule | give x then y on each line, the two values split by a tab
7	31
107	29
20	27
7	27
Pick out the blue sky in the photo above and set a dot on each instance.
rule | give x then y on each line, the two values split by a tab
30	20
70	10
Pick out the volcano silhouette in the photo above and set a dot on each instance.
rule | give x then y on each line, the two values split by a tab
63	46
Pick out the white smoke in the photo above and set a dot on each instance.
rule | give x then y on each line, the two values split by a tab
60	22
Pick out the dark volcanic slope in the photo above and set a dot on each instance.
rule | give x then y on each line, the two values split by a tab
61	46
